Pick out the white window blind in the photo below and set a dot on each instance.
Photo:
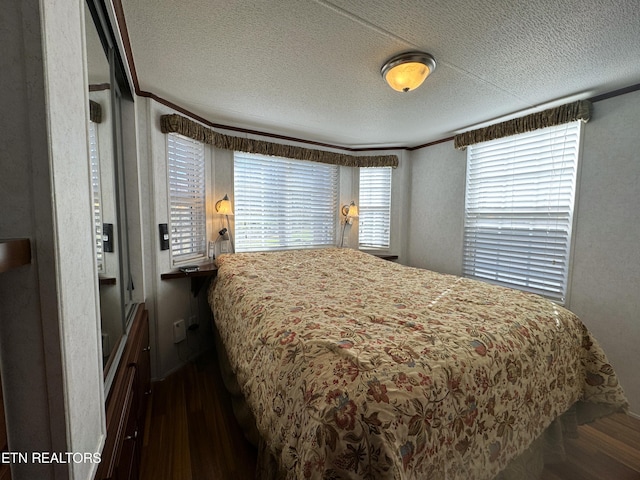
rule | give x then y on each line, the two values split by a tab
283	204
375	207
187	198
94	161
519	209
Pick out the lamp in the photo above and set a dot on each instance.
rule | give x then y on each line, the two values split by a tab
223	207
350	212
407	71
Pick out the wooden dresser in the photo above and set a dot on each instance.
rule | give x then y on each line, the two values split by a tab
126	405
13	253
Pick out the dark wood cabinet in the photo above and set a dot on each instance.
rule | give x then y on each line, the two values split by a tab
14	253
126	405
5	468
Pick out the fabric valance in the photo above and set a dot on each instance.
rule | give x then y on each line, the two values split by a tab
175	123
580	110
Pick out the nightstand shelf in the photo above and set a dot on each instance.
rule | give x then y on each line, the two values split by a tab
205	272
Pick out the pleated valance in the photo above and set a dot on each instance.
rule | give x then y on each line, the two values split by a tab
580	110
95	112
175	123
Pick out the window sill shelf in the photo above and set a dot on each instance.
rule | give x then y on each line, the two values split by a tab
198	279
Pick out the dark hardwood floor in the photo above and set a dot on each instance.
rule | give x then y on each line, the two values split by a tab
191	434
608	449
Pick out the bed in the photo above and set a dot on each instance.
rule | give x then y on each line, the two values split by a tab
356	367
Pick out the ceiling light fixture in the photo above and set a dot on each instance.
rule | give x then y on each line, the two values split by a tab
407	71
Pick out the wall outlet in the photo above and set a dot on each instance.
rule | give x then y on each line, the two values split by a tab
224	246
179	331
193	319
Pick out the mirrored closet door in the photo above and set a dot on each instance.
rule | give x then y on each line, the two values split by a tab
107	90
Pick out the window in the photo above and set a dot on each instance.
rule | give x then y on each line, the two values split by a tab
283	204
375	207
94	161
519	209
187	198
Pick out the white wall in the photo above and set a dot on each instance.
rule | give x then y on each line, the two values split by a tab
605	286
436	208
49	329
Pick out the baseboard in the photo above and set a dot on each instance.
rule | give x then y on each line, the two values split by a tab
193	356
178	367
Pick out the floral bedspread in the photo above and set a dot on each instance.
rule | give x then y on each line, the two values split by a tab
356	367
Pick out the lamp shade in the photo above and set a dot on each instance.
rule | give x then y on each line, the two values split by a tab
353	210
407	71
350	211
223	207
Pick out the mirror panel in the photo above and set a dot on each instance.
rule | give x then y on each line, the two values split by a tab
107	182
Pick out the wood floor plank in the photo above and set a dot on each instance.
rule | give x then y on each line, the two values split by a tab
550	475
622	427
627	420
623	453
200	442
598	462
191	432
568	470
154	461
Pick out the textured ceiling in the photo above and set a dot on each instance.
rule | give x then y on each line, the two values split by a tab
311	69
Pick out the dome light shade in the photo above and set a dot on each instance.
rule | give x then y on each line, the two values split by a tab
407	71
